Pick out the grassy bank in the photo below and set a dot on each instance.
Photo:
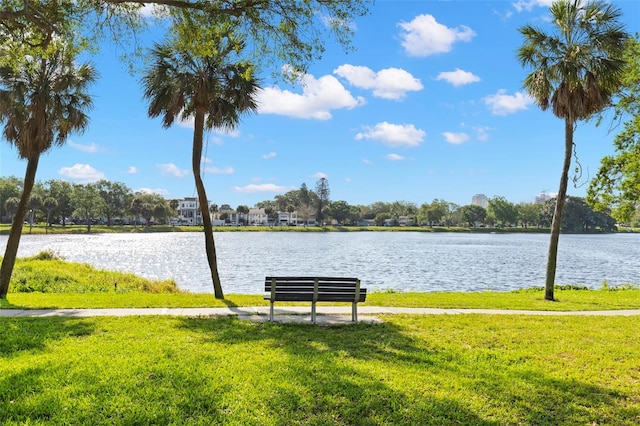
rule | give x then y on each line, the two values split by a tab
414	370
46	281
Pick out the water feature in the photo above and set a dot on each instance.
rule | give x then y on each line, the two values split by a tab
403	261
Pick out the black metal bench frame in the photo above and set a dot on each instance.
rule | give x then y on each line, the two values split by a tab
314	289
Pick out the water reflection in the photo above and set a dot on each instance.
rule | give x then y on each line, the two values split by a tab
404	261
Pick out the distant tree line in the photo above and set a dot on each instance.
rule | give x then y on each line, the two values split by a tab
109	203
105	202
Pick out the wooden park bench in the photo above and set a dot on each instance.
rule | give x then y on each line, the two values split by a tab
314	289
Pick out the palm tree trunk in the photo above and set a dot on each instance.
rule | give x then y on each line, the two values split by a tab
204	204
552	256
11	251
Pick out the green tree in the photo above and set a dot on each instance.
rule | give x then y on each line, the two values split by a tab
304	196
215	90
503	211
381	217
116	197
150	207
322	192
340	211
616	186
11	207
242	210
61	191
136	209
576	70
292	32
40	105
579	216
473	214
528	214
10	187
88	203
35	202
433	212
50	205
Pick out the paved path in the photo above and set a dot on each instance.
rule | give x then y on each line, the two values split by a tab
325	314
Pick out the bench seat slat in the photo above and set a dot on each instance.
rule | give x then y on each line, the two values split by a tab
314	289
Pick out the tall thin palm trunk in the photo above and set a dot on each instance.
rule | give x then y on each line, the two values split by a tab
556	223
11	251
196	159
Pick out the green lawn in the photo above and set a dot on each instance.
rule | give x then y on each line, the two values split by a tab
567	300
413	370
407	370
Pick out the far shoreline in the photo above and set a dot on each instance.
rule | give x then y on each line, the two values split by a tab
41	229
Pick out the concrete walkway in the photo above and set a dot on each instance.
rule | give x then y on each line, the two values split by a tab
325	314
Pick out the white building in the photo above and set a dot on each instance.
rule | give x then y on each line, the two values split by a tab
542	198
189	211
257	217
480	200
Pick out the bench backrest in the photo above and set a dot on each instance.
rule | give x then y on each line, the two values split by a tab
302	289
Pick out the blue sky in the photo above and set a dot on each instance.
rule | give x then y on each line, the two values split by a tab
429	105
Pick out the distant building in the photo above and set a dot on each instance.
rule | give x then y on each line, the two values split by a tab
188	211
542	198
480	200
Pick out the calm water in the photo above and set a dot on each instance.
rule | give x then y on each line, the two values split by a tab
404	261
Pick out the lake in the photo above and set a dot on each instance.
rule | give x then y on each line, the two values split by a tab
402	261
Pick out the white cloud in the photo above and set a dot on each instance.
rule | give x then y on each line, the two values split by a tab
219	171
367	161
172	169
503	104
482	133
159	191
455	138
318	98
319	175
458	77
269	155
395	157
132	170
206	160
152	10
394	135
266	187
92	148
389	83
81	173
527	5
424	36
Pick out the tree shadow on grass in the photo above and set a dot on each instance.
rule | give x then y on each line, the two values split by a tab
29	334
318	373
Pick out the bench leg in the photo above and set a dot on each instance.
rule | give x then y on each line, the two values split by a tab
354	312
271	312
313	312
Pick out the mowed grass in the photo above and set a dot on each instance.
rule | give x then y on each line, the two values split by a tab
567	300
409	370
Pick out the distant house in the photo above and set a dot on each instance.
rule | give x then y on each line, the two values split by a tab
257	217
189	211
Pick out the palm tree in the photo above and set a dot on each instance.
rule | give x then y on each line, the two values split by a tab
41	103
575	70
214	90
